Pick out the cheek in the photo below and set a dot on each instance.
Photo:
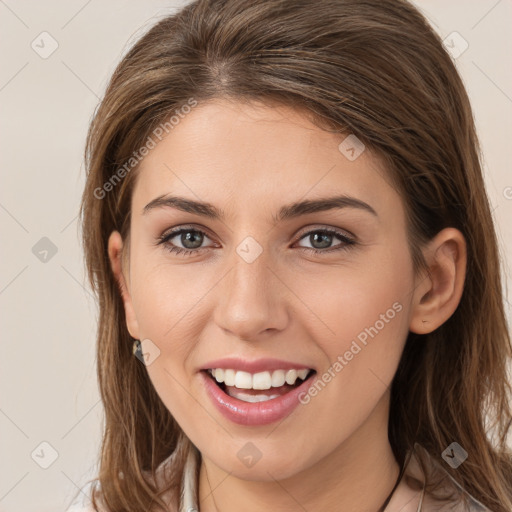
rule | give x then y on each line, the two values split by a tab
360	303
170	305
365	315
167	298
371	328
167	308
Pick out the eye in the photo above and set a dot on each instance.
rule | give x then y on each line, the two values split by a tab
192	239
323	238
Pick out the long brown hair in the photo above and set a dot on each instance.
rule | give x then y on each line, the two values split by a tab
375	69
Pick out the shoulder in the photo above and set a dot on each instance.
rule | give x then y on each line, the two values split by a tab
173	496
433	488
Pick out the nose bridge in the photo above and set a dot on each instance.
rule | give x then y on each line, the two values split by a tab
251	299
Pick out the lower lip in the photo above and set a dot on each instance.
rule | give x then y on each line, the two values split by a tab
257	413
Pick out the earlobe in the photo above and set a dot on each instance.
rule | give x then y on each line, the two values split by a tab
437	295
115	251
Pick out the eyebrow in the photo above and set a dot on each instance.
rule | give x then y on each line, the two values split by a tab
286	212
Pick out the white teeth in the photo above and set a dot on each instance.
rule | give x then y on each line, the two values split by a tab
229	377
260	381
243	380
278	378
291	377
251	398
301	373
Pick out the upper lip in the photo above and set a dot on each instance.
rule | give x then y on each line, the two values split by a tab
254	366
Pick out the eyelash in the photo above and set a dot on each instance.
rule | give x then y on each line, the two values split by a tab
164	240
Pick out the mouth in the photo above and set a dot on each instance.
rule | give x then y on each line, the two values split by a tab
256	399
258	387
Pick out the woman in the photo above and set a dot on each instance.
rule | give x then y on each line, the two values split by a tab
286	224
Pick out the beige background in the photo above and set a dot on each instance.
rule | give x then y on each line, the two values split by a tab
47	368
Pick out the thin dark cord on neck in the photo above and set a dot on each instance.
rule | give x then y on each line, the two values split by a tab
388	499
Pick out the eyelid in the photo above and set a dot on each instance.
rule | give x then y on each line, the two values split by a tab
323	227
305	231
346	238
172	232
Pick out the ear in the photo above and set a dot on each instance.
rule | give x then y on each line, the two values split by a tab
437	295
115	253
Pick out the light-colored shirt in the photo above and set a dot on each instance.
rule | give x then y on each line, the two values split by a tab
408	496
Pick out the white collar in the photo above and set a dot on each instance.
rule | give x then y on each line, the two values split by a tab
409	495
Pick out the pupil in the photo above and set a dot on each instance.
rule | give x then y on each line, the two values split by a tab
327	239
186	237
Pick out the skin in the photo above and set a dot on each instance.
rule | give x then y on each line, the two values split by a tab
249	160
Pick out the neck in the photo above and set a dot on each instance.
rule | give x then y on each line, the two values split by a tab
358	475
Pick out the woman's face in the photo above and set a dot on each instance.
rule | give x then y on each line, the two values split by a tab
250	287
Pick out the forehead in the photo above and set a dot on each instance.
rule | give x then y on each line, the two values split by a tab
246	157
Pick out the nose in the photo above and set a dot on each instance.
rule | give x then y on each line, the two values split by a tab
252	300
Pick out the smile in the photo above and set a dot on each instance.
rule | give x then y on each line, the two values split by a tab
281	380
256	398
